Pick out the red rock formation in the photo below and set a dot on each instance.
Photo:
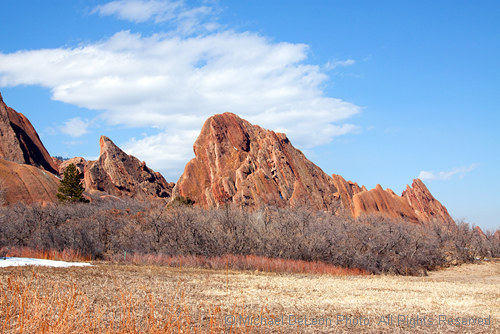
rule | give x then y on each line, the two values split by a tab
384	202
346	191
426	207
79	163
19	142
477	230
416	203
27	184
242	163
123	175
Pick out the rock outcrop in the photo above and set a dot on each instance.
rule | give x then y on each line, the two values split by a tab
346	191
237	162
27	184
19	142
384	202
119	174
79	163
245	164
416	204
426	207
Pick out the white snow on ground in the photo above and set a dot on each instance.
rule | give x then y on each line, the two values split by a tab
23	261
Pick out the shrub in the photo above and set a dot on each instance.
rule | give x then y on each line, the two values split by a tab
110	229
181	200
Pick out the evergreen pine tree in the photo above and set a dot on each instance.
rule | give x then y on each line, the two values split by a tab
70	188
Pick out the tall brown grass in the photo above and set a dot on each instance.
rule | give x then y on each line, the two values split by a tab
47	254
228	261
27	306
240	262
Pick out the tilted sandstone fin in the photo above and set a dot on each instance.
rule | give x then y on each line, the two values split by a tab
237	162
383	202
19	141
426	207
416	204
123	175
346	191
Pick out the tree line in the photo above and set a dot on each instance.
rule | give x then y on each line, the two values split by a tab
104	229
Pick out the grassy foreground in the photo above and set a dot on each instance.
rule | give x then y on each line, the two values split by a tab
151	299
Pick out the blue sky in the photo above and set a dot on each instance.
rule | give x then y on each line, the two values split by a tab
377	91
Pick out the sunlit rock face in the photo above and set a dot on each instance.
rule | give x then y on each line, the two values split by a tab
26	184
426	207
119	174
416	204
245	164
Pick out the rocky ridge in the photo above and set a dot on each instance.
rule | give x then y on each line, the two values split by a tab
415	204
235	162
119	174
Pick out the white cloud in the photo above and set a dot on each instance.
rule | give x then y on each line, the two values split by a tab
173	83
187	19
75	127
339	63
447	175
140	10
167	150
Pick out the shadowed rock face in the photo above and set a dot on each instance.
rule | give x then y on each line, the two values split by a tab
242	163
123	175
27	184
19	142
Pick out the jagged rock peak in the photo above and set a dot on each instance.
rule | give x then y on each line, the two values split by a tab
426	207
19	141
384	202
107	145
245	164
123	175
416	204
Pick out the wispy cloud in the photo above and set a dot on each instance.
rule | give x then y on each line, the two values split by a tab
172	83
447	175
75	127
186	19
331	65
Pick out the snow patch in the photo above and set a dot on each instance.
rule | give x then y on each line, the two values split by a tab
22	261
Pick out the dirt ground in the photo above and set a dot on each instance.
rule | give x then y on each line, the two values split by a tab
126	298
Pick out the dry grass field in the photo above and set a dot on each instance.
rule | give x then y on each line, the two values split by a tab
153	299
